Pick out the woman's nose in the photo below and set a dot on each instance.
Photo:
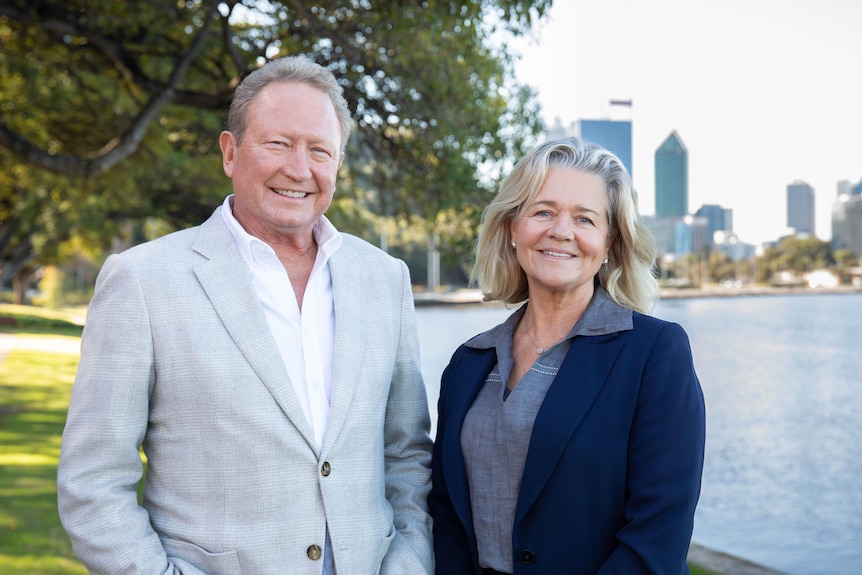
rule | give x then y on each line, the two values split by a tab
563	229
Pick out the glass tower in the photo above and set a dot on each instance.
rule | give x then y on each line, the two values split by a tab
671	178
613	135
800	207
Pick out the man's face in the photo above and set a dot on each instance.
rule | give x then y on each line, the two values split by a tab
284	169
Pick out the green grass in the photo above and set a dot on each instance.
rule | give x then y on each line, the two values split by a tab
34	395
29	319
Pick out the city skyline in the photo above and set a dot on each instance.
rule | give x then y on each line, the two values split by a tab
763	93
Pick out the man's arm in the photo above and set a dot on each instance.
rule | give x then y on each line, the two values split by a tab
407	451
100	466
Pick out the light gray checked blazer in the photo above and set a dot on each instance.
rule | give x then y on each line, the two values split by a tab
177	358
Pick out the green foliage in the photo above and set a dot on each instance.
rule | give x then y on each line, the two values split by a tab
845	258
111	109
798	255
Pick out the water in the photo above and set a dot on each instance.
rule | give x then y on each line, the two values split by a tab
782	378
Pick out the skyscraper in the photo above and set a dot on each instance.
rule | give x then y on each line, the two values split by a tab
719	219
671	178
847	223
613	135
800	207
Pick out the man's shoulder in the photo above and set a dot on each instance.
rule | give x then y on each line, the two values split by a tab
356	247
179	242
164	246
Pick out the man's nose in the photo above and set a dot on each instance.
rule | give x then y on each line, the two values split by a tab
296	165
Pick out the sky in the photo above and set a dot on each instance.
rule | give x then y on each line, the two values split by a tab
761	92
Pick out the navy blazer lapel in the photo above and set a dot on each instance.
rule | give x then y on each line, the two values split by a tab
576	386
465	381
225	279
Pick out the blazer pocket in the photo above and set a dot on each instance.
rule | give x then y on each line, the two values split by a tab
193	560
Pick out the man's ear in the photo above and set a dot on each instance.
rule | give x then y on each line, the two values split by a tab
227	143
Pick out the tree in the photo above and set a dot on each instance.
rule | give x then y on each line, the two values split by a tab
797	254
96	94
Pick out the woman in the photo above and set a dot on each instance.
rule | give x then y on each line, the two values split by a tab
570	437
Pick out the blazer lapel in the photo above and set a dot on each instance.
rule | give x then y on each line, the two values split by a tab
349	339
576	386
225	279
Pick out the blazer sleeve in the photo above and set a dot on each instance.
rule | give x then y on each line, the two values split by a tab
665	462
407	451
100	465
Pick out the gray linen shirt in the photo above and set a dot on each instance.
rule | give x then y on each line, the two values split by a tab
497	429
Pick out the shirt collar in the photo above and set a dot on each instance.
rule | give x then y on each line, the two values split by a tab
327	237
602	316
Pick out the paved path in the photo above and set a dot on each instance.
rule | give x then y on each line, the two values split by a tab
7	342
57	344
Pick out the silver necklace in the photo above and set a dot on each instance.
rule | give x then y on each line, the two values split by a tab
542	349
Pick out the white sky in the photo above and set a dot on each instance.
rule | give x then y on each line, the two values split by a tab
762	93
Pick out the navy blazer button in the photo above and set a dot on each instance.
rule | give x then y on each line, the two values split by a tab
325	469
314	552
526	556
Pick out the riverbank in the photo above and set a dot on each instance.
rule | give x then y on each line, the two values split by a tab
473	296
724	563
753	290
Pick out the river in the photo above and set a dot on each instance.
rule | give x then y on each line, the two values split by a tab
782	379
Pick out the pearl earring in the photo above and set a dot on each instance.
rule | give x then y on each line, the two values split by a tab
514	244
605	262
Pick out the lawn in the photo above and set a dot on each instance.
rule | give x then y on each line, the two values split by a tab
34	394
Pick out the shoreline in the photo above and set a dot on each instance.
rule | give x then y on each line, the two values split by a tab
474	296
724	563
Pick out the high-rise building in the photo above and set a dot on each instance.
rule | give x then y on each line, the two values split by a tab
664	232
800	207
719	219
847	223
690	235
671	178
613	135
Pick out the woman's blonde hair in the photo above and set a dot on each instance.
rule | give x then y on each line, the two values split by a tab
627	277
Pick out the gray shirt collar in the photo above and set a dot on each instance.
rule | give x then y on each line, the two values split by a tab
602	316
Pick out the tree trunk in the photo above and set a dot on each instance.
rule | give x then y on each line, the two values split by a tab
19	287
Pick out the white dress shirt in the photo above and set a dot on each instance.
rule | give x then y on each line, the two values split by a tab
305	337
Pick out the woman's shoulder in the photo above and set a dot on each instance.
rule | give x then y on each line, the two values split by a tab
650	326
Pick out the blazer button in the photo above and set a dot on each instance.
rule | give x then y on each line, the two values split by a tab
526	556
325	469
314	552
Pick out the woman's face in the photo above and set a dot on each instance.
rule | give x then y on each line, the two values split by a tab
562	236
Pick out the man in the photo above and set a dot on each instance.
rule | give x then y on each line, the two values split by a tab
267	366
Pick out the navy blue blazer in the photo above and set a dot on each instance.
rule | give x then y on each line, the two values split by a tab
613	470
